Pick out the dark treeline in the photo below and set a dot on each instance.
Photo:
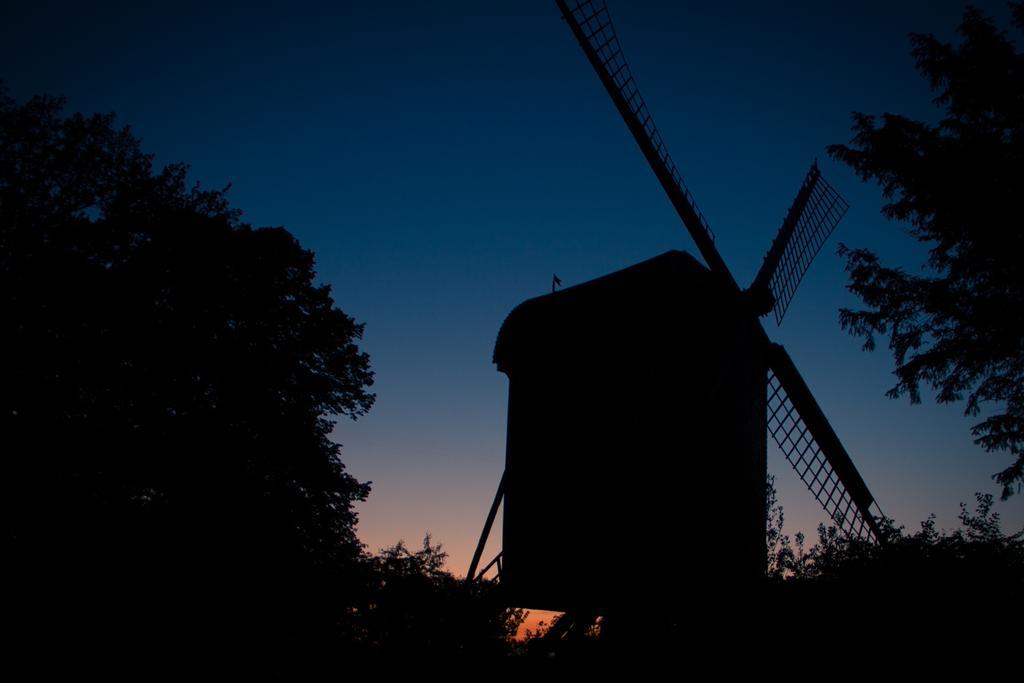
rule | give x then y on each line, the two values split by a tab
169	377
918	600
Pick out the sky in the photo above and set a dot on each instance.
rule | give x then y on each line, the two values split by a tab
445	159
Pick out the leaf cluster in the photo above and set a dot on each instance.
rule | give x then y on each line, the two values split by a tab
169	377
958	325
976	566
416	607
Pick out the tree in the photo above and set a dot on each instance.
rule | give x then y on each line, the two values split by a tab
942	593
415	608
783	560
168	379
959	325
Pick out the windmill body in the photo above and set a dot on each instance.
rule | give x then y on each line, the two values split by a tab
636	437
639	403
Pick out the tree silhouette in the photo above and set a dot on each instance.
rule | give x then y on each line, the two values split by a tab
415	608
943	594
168	379
958	326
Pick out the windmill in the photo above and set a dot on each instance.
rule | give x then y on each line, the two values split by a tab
639	399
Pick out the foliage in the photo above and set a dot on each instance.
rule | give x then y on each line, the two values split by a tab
979	549
977	556
945	593
957	326
167	385
782	557
415	607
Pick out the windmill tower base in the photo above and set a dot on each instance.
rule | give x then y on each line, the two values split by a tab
635	466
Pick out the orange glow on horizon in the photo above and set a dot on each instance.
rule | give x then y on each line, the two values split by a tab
535	619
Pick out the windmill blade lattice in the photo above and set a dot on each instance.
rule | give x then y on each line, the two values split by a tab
814	223
592	26
807	441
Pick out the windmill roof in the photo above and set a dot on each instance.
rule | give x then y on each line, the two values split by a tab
617	303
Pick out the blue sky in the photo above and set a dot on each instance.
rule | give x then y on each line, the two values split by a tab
444	159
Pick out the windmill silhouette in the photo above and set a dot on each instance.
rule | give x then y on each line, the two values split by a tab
640	401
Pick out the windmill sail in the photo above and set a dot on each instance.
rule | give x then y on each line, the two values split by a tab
805	437
796	422
811	219
592	26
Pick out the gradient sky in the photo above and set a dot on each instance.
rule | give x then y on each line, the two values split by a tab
443	159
